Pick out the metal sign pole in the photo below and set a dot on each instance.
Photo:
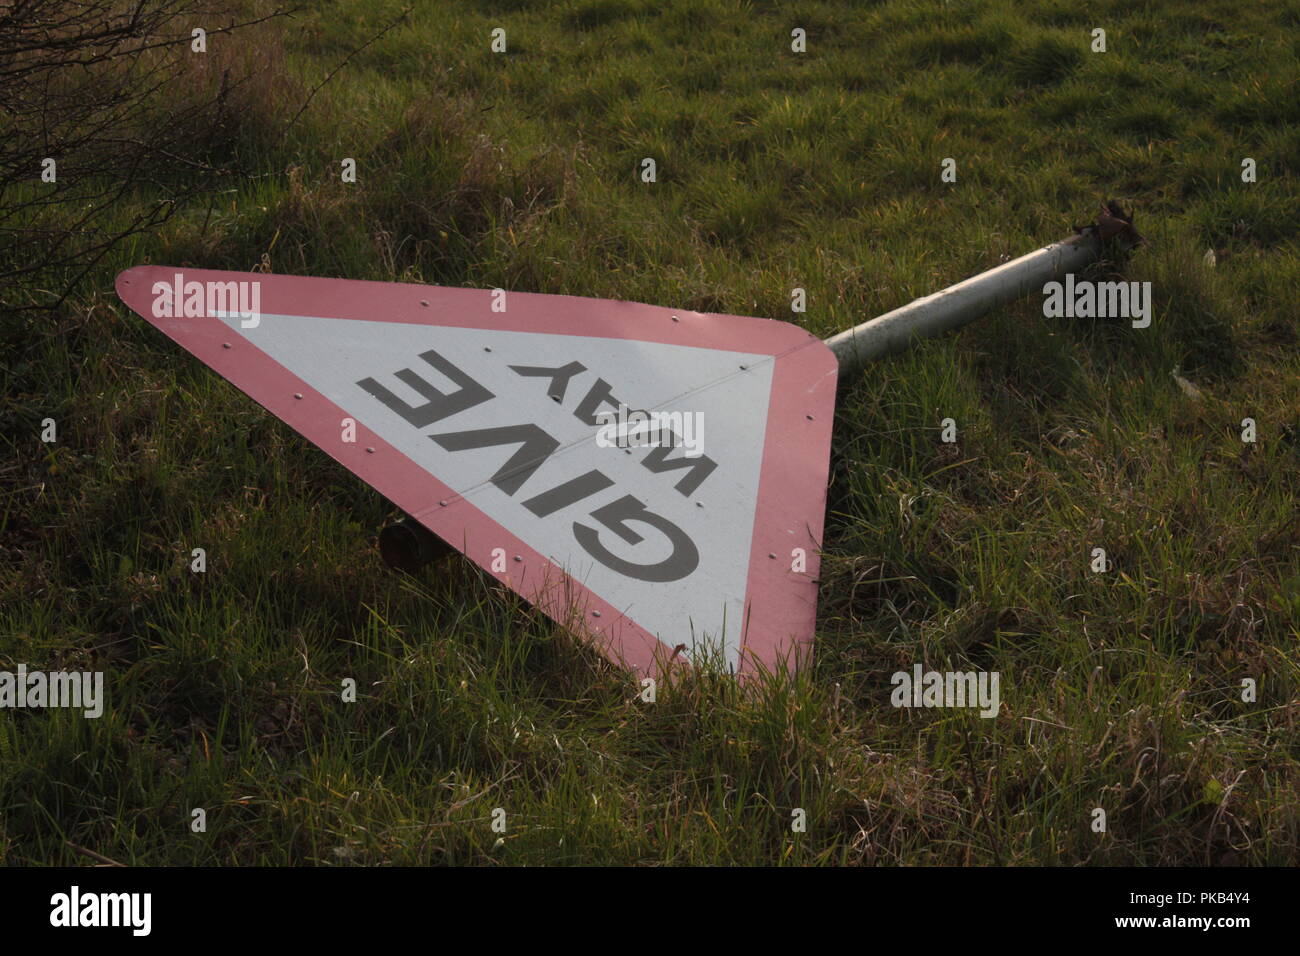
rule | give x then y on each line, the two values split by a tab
969	299
961	303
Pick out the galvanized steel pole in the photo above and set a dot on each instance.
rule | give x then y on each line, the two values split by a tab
964	302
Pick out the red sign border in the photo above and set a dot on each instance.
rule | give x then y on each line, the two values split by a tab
791	504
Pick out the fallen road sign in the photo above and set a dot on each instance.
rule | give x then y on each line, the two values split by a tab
514	426
483	414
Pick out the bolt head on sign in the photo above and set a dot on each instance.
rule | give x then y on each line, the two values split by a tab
495	425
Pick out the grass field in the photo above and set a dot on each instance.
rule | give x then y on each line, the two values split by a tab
820	170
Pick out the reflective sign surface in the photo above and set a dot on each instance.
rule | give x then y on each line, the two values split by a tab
649	477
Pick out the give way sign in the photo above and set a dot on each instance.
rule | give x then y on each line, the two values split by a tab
493	419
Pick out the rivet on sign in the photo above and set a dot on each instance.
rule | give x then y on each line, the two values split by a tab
297	394
443	503
675	319
225	345
486	349
424	302
809	417
771	554
518	558
370	451
744	368
699	504
595	614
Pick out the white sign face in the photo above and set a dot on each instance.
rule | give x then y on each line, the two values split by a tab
698	571
492	420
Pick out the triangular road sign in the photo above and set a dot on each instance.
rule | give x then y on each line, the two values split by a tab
483	414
